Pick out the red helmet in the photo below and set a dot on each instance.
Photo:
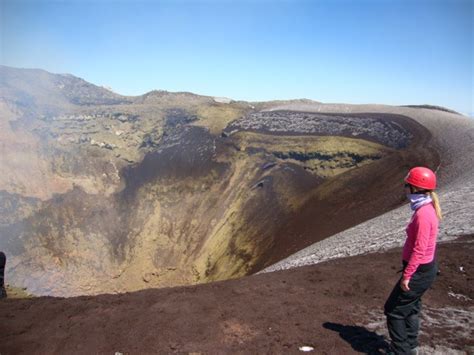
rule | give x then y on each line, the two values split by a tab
421	177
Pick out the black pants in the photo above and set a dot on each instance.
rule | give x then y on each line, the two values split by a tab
402	308
3	260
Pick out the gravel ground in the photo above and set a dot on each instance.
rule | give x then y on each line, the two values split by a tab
335	307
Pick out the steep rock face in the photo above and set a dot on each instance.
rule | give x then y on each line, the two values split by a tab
171	189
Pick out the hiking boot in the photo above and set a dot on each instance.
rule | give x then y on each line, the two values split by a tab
390	351
3	292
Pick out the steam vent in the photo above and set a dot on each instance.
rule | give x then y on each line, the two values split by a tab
103	193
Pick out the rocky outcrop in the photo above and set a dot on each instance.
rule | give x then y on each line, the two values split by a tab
388	131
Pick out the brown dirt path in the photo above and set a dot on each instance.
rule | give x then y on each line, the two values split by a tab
329	306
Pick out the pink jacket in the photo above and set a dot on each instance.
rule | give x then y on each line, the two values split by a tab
420	245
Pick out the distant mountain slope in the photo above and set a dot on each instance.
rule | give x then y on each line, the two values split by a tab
36	90
432	107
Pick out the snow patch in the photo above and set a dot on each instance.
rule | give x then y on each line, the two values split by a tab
222	100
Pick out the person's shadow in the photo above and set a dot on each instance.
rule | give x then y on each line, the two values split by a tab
361	339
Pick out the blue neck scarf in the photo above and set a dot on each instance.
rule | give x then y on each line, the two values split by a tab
418	200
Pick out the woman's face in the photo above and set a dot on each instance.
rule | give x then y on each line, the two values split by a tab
410	189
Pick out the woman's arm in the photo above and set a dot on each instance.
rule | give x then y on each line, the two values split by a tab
422	228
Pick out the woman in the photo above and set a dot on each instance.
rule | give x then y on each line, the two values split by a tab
419	265
3	259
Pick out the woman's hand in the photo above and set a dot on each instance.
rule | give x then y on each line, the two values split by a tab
404	284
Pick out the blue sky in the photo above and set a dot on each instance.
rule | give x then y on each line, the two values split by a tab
384	51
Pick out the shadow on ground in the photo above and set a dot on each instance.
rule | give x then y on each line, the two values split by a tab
361	339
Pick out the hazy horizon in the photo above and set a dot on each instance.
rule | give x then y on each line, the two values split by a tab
382	52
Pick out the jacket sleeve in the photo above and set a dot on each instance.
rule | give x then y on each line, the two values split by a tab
422	231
